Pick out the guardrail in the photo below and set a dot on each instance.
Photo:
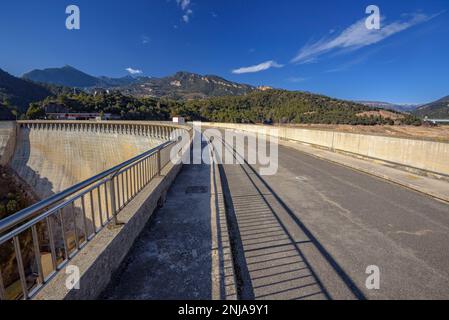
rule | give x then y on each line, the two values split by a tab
44	237
161	130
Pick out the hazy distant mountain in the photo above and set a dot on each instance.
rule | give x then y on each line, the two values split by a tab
438	109
16	92
65	76
391	106
105	82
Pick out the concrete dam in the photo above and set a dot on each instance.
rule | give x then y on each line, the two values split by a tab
80	175
52	157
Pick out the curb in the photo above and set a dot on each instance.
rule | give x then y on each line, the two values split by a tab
224	283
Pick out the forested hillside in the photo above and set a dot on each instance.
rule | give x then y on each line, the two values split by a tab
273	106
128	107
17	94
280	106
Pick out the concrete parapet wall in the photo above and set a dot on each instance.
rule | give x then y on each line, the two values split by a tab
430	156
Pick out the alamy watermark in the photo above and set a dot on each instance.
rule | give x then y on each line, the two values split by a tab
72	282
373	21
373	280
73	21
229	146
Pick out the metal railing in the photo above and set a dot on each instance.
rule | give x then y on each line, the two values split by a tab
44	237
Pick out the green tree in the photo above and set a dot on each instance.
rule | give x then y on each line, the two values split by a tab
35	111
12	206
3	211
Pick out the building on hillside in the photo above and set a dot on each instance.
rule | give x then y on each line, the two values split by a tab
264	88
100	91
179	120
81	116
435	121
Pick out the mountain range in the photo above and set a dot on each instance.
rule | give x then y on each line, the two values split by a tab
435	110
36	85
408	108
180	86
70	77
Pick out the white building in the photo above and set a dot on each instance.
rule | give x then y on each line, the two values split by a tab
179	120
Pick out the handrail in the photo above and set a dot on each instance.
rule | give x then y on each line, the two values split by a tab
27	213
63	224
104	122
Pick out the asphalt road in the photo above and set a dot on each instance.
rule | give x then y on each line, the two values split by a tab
328	224
308	232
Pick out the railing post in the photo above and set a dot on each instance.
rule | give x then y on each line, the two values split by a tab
113	204
2	287
158	156
21	267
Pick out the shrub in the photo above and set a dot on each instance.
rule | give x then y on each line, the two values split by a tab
2	209
12	206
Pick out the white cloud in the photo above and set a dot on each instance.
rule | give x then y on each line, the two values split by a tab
357	36
145	39
185	6
257	68
134	71
186	16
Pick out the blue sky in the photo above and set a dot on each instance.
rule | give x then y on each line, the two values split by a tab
318	46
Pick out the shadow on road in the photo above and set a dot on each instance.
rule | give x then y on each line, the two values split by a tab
275	255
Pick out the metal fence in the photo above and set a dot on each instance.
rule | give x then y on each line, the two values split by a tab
42	239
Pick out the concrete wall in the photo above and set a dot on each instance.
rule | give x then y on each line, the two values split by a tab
424	155
51	158
7	141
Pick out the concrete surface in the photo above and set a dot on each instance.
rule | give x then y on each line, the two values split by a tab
350	221
50	160
183	252
224	286
7	141
424	155
102	256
